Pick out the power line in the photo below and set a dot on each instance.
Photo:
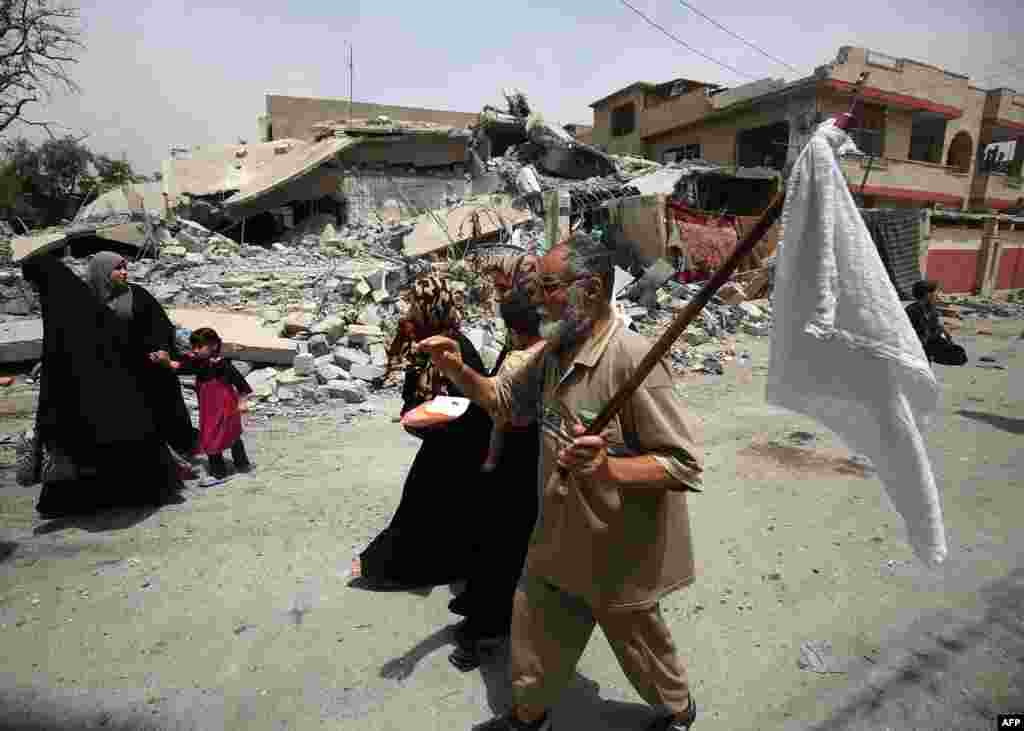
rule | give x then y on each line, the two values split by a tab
737	37
684	44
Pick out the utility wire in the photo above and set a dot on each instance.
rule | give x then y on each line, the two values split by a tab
684	44
737	37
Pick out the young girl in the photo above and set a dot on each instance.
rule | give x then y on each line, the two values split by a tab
522	323
222	400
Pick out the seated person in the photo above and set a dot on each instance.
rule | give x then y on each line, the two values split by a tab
924	316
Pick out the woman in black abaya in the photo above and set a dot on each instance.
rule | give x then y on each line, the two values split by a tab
107	407
430	539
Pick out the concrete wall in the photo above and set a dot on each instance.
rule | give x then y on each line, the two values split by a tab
674	112
292	116
414	150
367	191
718	139
911	78
955	257
630	144
1006	105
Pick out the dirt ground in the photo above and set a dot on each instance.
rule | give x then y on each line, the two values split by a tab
233	610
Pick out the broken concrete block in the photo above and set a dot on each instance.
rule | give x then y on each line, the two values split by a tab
318	346
313	394
18	306
331	327
329	372
295	323
244	335
303	364
346	287
364	334
379	295
329	235
174	251
352	392
346	357
751	310
21	340
758	329
370	316
378	354
367	372
362	288
377	279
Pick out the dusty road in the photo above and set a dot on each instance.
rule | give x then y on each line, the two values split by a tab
233	611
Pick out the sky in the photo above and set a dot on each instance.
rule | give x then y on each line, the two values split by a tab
181	73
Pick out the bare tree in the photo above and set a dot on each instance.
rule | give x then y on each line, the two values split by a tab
39	40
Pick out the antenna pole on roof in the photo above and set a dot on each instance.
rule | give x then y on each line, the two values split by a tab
350	71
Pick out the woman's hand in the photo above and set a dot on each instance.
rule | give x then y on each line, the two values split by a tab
160	357
444	353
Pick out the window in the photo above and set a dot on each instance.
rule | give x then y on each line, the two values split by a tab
927	136
684	152
623	120
870	136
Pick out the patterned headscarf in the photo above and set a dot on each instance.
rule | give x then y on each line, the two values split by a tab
437	310
116	297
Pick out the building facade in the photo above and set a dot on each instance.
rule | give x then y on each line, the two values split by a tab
924	130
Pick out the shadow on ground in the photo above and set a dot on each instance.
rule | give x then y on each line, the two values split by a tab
1006	423
107	520
580	705
17	715
913	686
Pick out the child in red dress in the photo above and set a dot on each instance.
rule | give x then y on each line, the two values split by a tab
222	401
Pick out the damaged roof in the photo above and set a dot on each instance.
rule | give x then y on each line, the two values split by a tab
286	169
222	168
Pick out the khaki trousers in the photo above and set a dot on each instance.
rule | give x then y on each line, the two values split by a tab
550	630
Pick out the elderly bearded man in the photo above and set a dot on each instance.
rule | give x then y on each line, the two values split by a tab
614	538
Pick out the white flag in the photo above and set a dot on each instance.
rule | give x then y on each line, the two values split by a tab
843	350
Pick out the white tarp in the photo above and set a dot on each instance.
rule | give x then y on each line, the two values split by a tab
843	350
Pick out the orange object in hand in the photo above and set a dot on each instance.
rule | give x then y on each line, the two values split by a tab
439	410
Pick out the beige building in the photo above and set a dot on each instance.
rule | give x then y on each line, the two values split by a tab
924	129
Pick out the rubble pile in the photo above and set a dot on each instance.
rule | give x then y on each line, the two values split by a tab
975	308
708	342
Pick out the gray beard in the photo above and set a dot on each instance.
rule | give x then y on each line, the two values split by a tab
565	334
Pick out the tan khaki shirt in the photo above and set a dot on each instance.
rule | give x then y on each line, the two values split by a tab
615	548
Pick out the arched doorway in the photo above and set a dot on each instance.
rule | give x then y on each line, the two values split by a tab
959	156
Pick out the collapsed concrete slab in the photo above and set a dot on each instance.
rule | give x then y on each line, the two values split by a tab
21	340
478	218
244	336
